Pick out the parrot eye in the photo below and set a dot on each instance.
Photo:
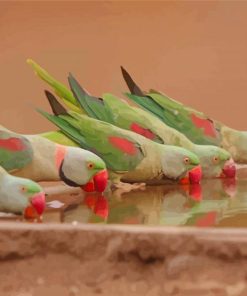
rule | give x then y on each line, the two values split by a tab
90	165
23	189
186	160
215	159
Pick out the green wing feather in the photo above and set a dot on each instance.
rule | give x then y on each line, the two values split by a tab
148	104
112	110
125	116
166	98
94	135
174	115
94	107
179	117
15	151
193	124
59	138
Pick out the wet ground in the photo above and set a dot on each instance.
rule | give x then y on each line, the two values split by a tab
215	203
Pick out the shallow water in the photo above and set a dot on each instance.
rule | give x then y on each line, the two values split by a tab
218	203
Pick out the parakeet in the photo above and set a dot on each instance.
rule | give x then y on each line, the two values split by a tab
215	161
198	127
20	195
36	158
129	157
109	109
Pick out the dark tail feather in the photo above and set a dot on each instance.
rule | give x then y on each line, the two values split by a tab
56	107
88	103
73	81
133	87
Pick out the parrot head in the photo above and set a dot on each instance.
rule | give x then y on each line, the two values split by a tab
215	161
23	195
235	142
181	164
82	168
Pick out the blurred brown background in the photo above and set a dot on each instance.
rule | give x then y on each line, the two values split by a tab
194	51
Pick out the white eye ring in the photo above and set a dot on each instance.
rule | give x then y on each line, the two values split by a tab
23	189
186	160
90	165
215	159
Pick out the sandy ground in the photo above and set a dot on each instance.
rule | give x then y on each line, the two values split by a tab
98	260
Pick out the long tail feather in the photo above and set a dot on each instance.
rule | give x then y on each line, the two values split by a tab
56	107
133	87
60	89
80	94
93	106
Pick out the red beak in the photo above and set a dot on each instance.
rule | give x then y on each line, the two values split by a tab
195	175
38	202
37	206
97	183
229	170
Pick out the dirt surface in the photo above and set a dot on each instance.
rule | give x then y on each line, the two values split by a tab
98	260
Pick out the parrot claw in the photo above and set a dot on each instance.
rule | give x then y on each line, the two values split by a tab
120	188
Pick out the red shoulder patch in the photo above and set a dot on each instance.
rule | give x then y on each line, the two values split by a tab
60	152
124	145
142	131
207	220
207	125
12	144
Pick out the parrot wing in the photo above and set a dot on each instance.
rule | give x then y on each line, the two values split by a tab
115	111
195	125
93	106
116	147
15	151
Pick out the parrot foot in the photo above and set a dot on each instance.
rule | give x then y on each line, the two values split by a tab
120	188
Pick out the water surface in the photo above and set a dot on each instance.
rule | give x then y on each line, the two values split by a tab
215	203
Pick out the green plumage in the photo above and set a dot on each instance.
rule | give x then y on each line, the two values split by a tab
15	151
112	110
119	113
94	135
174	114
62	91
179	117
198	127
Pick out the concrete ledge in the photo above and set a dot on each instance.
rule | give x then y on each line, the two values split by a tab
136	260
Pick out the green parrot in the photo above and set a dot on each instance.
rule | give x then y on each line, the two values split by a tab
36	158
214	160
19	195
198	127
128	156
